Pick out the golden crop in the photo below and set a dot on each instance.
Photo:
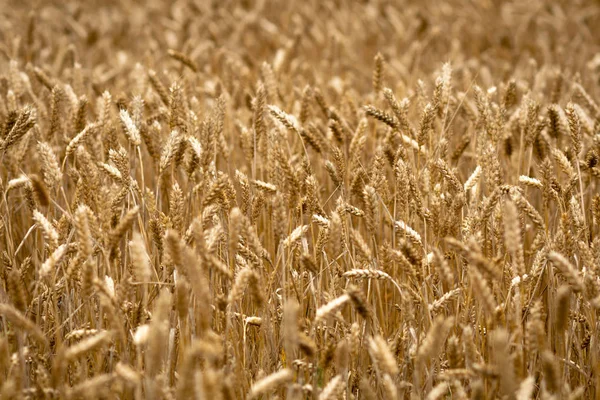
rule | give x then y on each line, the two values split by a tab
304	200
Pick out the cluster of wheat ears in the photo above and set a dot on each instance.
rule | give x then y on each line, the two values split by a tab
325	200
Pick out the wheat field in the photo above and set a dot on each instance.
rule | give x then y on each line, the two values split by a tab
300	200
